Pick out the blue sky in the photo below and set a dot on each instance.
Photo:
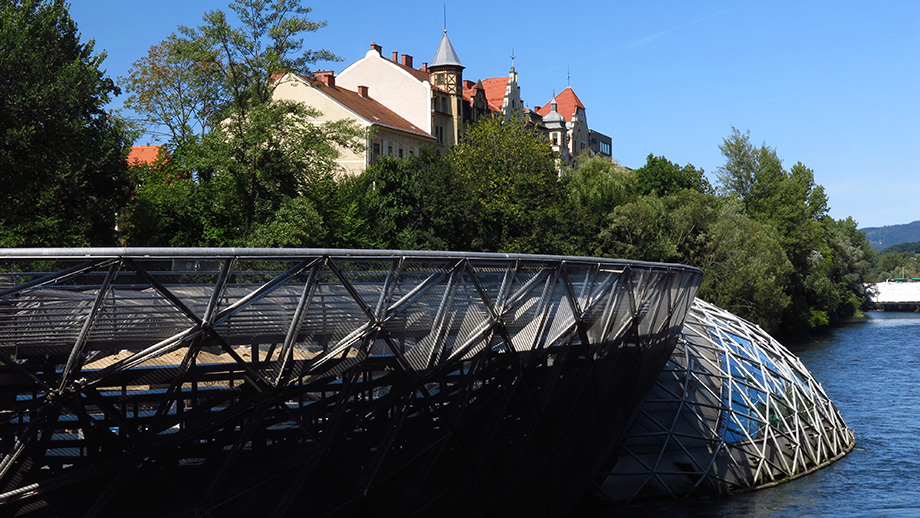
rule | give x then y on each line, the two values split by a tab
834	85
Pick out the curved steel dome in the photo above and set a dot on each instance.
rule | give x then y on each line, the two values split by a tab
732	410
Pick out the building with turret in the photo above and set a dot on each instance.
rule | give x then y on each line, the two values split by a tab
580	138
433	105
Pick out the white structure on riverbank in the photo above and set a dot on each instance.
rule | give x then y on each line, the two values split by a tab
895	291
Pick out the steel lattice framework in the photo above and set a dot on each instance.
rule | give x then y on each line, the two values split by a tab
732	410
227	382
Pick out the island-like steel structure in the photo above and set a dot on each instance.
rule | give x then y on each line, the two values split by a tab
242	382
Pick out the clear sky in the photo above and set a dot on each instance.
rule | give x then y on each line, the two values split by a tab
834	85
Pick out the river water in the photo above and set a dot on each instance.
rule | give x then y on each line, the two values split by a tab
871	370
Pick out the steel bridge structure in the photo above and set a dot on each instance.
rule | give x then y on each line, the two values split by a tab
240	382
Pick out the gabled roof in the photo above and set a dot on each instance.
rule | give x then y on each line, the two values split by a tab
143	155
495	91
446	55
365	107
567	102
375	53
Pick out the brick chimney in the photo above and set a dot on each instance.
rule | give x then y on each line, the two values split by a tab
376	47
362	91
395	57
326	76
424	66
407	60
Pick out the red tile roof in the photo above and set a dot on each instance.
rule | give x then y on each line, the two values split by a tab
566	104
143	155
469	90
367	108
495	91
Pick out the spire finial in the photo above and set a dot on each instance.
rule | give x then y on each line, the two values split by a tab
445	18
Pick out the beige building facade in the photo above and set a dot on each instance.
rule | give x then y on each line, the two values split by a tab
387	133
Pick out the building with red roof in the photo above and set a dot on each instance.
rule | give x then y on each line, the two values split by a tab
388	133
570	107
432	104
503	93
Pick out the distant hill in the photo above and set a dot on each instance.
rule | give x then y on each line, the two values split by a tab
883	237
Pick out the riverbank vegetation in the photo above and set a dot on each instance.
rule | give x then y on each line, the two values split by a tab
240	169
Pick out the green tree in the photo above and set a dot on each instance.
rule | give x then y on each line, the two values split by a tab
662	177
745	269
167	209
888	265
510	170
252	154
642	230
62	157
296	224
851	265
592	190
820	250
253	165
173	91
410	203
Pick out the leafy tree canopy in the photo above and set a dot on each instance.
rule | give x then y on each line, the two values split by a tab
62	157
250	155
593	189
661	177
510	170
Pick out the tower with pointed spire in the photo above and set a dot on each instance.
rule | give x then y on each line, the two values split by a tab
445	68
446	78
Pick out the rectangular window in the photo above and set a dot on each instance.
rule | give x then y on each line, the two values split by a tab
400	152
376	152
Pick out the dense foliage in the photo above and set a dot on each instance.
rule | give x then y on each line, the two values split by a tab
62	157
246	169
